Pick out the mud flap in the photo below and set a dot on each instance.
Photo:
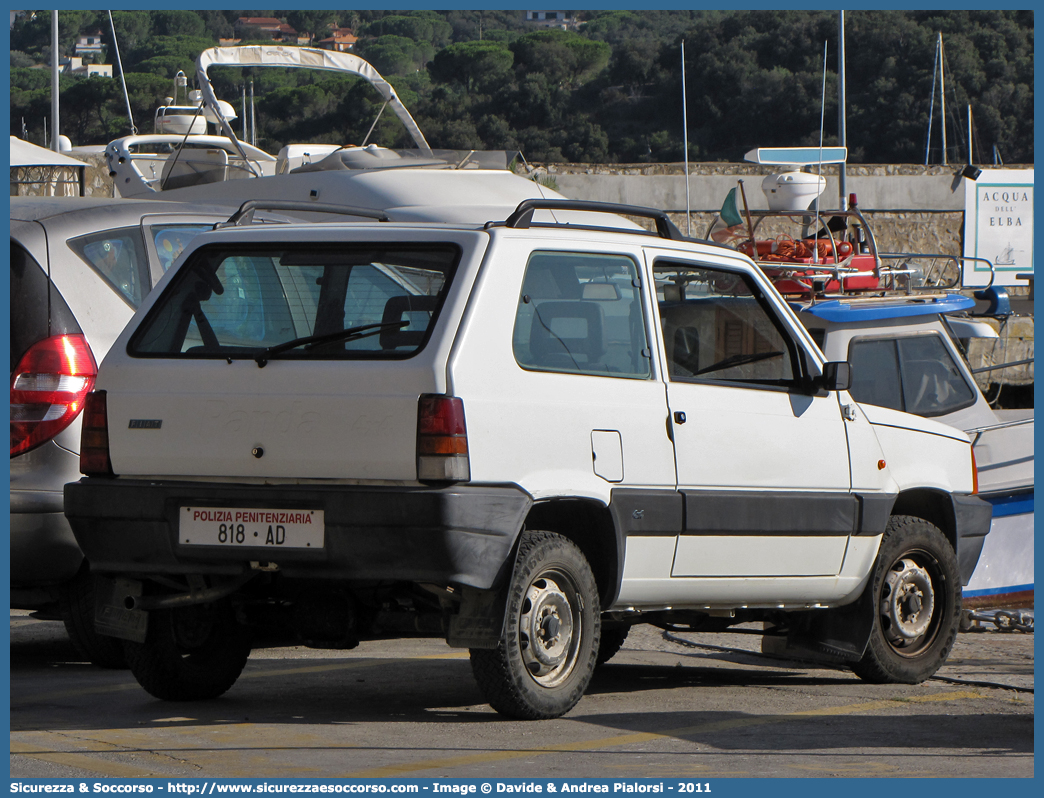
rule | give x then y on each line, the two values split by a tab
480	621
838	635
111	616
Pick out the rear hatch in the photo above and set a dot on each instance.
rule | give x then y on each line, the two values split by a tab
267	358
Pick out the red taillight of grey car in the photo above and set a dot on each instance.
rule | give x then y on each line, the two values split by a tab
442	439
48	388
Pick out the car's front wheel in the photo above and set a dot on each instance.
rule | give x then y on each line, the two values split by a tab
544	662
916	594
190	653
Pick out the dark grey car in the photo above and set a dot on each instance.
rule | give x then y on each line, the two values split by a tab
79	268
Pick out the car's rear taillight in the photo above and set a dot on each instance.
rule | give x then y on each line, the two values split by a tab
94	437
48	387
442	439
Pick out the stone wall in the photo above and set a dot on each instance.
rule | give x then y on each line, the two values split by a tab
26	182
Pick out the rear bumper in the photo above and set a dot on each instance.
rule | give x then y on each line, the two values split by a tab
455	535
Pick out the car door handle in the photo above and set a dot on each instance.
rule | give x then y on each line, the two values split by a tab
679	417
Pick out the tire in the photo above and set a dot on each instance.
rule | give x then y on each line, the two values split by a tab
190	653
611	643
544	662
916	592
77	609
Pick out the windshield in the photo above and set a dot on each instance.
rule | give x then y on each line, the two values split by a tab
239	302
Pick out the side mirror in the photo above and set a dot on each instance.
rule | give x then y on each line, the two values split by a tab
837	375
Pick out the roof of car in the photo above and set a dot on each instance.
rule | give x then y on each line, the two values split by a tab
39	208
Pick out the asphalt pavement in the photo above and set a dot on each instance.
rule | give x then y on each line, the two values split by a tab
682	706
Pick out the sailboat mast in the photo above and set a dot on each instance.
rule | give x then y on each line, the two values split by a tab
685	145
54	81
970	150
942	96
842	133
931	107
123	78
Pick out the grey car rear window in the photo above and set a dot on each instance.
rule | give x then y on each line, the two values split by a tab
302	301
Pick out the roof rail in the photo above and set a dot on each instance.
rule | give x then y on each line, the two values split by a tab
522	218
245	214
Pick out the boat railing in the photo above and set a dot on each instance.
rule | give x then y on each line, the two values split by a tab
1000	366
978	431
927	271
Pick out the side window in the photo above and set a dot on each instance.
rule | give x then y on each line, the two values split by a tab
915	373
170	240
582	313
875	373
119	257
717	325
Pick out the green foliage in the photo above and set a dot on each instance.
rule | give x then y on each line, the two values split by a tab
396	55
315	22
420	26
475	65
20	59
564	57
132	28
178	23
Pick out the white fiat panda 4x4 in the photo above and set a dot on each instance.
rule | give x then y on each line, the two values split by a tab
522	437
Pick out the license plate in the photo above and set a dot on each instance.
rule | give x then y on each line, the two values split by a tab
254	527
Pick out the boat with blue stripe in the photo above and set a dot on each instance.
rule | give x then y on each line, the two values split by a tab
903	324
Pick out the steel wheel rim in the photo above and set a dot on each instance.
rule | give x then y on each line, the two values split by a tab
911	603
550	628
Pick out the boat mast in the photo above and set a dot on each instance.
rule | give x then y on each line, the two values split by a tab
931	105
123	79
54	82
685	145
842	133
942	96
970	158
822	124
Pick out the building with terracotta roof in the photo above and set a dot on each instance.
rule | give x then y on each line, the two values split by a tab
258	27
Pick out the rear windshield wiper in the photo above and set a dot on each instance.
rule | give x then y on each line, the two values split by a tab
311	341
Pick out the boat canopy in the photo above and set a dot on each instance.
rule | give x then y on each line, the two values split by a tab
304	57
842	311
796	156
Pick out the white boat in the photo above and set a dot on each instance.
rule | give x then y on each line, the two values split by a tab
416	184
901	322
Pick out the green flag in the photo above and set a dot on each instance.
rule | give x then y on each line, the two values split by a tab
729	214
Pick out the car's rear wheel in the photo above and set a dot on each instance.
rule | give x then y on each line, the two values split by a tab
916	592
77	608
546	657
190	653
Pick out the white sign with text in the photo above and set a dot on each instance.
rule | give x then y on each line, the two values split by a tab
998	226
